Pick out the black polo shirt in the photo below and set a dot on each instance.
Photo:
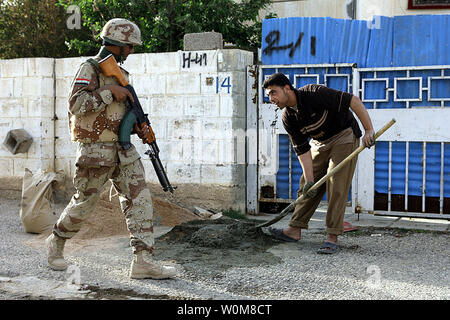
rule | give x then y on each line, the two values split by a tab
322	112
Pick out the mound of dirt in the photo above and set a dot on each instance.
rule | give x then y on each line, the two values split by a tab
223	233
107	218
209	247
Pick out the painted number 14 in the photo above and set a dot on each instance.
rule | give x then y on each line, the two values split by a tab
225	83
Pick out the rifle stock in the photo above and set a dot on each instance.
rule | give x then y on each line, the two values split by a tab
110	68
136	119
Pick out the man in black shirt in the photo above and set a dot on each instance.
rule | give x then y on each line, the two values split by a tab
322	114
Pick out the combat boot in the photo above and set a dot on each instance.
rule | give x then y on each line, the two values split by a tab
55	247
143	267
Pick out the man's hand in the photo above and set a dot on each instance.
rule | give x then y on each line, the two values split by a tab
120	93
369	138
306	190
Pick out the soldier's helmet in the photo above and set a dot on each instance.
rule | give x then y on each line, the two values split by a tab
121	32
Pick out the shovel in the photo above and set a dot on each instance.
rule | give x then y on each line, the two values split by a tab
291	206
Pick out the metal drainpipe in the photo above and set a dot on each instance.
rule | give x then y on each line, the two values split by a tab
53	155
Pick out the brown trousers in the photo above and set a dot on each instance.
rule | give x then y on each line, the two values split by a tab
325	158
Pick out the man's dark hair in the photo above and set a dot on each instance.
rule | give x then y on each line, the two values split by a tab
277	79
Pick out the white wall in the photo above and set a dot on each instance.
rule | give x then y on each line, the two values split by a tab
365	9
27	101
196	109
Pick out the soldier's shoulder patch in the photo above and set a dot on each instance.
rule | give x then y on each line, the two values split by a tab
84	75
82	81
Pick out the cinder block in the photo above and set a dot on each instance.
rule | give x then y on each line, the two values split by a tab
18	141
234	60
184	83
31	87
184	129
217	174
46	148
63	87
47	127
12	108
164	150
7	86
38	87
18	87
39	67
40	107
202	106
166	106
207	151
226	154
48	87
217	128
181	172
159	126
135	64
182	150
61	108
163	62
202	41
62	130
232	150
232	105
149	84
6	167
208	83
11	68
68	67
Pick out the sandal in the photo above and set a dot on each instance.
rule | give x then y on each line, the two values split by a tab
328	248
279	234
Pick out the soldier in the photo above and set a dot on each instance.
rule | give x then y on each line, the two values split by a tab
96	107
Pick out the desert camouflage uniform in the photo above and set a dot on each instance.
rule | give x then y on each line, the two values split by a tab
94	120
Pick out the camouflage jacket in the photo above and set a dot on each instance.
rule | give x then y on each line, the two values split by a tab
93	114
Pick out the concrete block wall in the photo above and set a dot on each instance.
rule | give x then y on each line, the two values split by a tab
27	102
195	101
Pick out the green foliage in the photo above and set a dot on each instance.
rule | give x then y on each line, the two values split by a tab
31	28
163	23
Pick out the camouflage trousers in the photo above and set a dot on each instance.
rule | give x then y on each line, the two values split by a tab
96	164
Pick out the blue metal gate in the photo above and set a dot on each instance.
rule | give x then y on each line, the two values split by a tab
397	74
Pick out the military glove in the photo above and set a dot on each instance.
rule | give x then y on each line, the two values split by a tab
306	190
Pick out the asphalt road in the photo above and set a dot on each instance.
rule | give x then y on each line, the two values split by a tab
375	263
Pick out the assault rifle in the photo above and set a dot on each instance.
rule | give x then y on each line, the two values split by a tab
136	121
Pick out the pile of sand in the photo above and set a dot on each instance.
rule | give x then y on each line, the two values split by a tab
108	220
